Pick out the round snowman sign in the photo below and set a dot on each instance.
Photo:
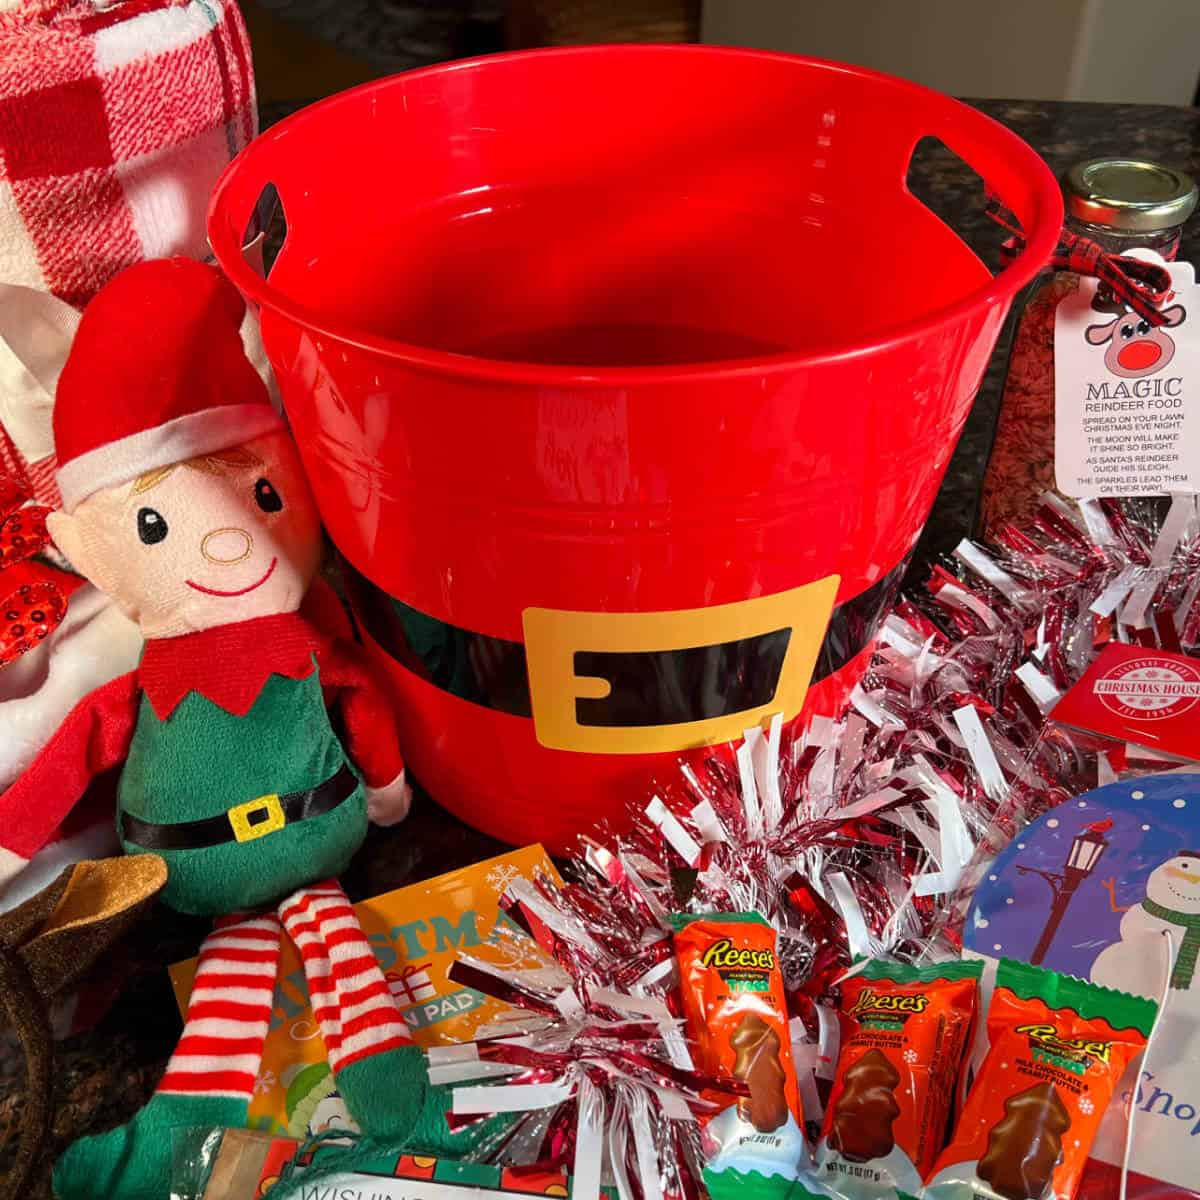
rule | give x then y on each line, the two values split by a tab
1107	887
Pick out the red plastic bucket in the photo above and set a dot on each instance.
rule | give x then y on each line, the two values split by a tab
614	371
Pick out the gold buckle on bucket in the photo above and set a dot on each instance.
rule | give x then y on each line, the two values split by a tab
240	814
553	637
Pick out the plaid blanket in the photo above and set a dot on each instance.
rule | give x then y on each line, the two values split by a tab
115	120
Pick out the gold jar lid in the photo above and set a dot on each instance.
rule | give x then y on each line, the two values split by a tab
1130	194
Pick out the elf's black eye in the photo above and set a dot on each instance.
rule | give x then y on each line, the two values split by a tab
267	497
151	526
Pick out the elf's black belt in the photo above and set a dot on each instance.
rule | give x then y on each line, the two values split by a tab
243	822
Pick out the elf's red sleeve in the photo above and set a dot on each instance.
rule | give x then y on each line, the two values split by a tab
371	740
94	737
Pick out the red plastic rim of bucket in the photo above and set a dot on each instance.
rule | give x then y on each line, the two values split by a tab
236	195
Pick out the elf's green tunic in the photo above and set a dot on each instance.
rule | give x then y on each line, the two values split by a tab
201	761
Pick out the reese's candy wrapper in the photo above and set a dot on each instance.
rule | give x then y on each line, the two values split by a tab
736	1017
1057	1049
905	1030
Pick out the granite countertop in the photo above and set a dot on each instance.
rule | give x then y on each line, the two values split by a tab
103	1076
1062	133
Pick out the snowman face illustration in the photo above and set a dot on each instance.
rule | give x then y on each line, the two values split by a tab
1176	884
330	1114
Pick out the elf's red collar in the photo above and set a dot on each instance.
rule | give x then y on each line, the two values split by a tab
229	665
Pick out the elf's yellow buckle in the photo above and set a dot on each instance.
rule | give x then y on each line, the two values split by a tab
257	818
553	637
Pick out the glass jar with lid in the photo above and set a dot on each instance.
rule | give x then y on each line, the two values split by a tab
1120	203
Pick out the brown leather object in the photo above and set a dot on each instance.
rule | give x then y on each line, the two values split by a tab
46	945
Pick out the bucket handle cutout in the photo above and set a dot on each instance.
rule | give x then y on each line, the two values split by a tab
266	217
932	157
244	209
969	142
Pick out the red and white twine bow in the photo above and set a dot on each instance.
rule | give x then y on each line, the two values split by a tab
1140	285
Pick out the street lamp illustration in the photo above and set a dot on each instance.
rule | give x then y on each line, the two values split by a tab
1082	858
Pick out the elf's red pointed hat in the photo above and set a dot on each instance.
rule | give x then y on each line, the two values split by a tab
157	374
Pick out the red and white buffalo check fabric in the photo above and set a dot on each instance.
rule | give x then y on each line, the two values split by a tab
115	121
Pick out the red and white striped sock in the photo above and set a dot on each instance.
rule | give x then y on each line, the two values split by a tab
210	1078
350	997
229	1011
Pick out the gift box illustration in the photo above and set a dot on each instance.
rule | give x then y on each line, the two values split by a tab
625	389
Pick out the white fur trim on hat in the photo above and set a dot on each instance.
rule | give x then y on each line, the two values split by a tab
190	436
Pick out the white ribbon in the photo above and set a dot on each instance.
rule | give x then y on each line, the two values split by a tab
991	572
1133	612
850	752
662	974
511	1097
665	821
568	1004
639	885
462	1071
657	1011
981	752
1118	588
618	1144
957	847
961	598
1043	693
874	712
745	765
765	756
589	1142
643	1143
524	891
1179	517
1177	522
705	818
866	805
857	933
1098	527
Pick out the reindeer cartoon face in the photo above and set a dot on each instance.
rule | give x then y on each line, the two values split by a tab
1135	347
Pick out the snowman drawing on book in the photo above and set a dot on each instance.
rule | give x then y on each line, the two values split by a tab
1122	909
1171	905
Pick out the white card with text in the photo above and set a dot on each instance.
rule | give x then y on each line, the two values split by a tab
1127	394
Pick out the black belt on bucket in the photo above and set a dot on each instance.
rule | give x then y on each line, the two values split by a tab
243	822
661	687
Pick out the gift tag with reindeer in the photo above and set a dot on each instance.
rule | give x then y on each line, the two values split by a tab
1127	393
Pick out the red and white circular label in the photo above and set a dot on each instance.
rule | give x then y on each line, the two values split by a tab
1149	689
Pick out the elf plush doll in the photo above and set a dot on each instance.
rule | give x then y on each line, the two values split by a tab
183	498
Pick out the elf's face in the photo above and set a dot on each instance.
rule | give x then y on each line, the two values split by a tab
204	543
